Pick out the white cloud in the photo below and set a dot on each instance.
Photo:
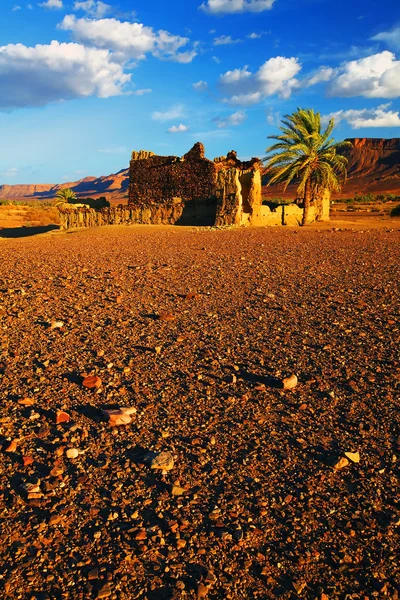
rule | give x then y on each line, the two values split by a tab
178	128
224	40
141	92
175	112
93	8
215	7
53	4
35	76
275	76
391	38
367	117
323	74
235	76
376	76
128	40
216	59
254	36
200	86
244	99
10	172
233	120
16	7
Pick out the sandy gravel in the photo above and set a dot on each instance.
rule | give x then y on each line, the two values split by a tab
194	330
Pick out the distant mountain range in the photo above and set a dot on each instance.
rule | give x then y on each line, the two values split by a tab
374	166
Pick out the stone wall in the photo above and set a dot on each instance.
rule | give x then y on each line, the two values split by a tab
158	179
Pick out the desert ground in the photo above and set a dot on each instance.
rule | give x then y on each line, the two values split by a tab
267	492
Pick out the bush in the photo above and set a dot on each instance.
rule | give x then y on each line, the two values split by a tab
96	203
395	212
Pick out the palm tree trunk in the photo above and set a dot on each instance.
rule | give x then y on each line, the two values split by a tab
307	201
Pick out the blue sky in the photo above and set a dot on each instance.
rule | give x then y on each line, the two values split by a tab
84	82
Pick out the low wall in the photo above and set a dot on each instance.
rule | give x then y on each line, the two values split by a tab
173	213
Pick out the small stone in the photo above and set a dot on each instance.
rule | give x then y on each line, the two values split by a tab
166	316
91	382
118	299
10	446
119	416
93	574
56	325
177	490
191	296
180	544
26	401
62	417
158	349
163	461
231	379
353	456
202	591
55	519
341	464
105	591
141	535
298	586
289	382
27	460
72	453
56	471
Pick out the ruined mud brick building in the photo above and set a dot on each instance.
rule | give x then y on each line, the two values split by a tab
192	190
195	190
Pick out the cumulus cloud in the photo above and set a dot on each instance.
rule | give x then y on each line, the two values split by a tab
175	112
391	38
323	74
233	120
376	76
178	128
52	4
35	76
128	40
367	117
200	86
254	36
93	8
224	40
275	76
216	7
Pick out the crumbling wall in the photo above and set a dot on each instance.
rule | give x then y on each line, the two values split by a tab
229	197
156	180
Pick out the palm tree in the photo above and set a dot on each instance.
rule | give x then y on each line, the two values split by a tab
65	195
307	156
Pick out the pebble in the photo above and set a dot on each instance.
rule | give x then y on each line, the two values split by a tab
290	382
72	453
163	461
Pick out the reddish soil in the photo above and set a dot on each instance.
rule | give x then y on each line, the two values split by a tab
251	504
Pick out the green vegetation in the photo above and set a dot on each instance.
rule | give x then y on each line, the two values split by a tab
96	203
306	156
395	212
370	199
277	201
65	195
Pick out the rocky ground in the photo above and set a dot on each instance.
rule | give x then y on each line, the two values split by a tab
262	492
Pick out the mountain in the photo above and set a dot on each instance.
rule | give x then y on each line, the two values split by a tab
113	186
374	166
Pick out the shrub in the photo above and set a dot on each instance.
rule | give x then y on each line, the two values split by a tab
395	212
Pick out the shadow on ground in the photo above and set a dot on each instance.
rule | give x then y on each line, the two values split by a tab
19	232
